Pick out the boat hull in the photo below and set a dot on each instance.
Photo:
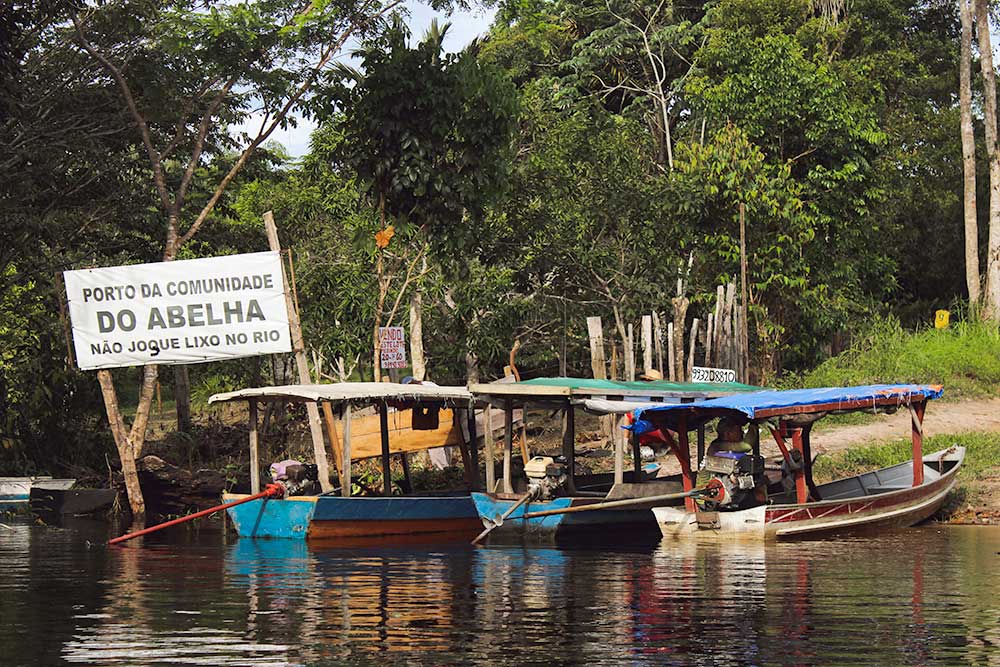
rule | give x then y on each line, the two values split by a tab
872	511
333	517
16	491
627	523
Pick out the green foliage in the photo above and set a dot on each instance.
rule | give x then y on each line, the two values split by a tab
965	358
426	132
982	455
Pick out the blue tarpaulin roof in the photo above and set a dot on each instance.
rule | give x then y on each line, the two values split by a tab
748	405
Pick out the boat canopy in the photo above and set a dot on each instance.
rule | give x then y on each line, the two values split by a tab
356	393
616	387
766	404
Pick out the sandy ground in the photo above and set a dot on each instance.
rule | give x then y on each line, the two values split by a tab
941	418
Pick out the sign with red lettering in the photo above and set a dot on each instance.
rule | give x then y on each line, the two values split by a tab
393	348
179	312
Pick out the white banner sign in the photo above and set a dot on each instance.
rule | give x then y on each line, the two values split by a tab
179	312
702	374
393	350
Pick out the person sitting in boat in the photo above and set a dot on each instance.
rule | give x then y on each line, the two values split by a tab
728	438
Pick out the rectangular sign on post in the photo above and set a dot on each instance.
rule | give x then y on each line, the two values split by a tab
180	312
393	350
702	374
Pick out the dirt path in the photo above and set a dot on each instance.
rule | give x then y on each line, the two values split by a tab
941	418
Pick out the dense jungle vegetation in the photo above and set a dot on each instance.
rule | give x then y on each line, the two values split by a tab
577	160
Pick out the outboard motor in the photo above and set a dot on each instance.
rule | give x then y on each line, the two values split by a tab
737	478
299	479
545	476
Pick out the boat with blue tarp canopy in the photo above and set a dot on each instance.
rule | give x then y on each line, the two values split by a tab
734	492
762	403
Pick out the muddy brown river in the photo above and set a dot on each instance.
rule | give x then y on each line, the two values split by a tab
929	595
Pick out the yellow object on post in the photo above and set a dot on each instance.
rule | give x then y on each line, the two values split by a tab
941	319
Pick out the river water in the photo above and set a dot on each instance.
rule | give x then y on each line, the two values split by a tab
929	595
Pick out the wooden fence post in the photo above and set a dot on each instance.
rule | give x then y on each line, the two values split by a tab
315	426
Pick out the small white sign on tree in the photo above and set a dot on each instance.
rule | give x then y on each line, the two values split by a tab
393	347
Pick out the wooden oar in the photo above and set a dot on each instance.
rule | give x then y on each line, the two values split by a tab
627	502
496	523
270	491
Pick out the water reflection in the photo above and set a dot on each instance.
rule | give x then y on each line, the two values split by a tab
916	597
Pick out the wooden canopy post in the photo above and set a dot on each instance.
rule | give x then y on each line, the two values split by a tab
473	448
684	454
917	435
254	455
807	462
801	488
636	458
618	438
345	468
508	444
489	442
569	445
331	433
701	444
383	420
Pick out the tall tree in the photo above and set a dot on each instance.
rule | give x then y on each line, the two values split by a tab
992	295
185	71
972	279
428	134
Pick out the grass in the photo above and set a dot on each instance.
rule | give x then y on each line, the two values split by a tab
965	358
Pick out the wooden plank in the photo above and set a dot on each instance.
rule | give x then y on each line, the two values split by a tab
345	489
647	343
491	475
254	454
312	411
367	439
508	444
383	417
596	335
505	390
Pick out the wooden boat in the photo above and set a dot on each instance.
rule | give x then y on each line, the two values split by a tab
733	502
73	502
581	508
15	491
341	515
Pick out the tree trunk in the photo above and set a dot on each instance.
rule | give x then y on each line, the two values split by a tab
992	301
124	445
417	335
972	279
182	398
680	304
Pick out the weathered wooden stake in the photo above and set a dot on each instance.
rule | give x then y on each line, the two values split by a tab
658	343
315	427
596	335
346	467
694	339
647	343
254	459
671	353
